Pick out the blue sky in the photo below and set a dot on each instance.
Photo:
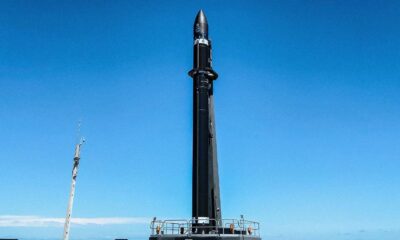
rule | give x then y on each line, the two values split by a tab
307	111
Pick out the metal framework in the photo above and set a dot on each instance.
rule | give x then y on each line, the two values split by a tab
72	192
182	227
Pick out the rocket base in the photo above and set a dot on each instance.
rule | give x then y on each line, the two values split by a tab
204	237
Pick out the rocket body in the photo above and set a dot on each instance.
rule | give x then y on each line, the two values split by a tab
205	189
206	222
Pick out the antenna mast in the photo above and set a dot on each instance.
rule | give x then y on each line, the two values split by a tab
72	192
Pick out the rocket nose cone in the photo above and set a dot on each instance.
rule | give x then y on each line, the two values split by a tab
200	27
201	17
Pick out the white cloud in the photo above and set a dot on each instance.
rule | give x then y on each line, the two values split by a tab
37	221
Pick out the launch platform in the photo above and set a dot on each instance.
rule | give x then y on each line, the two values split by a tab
231	229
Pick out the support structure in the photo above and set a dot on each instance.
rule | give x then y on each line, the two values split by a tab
72	192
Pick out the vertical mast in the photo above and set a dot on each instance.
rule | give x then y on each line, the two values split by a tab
205	189
72	193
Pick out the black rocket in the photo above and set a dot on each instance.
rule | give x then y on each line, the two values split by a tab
206	222
206	207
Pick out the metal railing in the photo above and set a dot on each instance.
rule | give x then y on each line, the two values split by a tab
192	226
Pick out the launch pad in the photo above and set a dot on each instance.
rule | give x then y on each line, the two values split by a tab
206	222
228	229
